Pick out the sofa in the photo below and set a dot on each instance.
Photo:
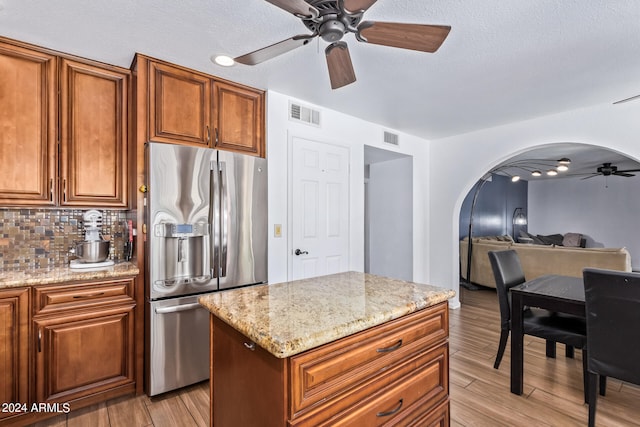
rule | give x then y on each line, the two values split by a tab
538	260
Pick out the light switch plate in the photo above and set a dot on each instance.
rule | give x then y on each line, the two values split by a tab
277	230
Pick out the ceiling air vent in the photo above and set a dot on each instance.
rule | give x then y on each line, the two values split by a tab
304	114
390	138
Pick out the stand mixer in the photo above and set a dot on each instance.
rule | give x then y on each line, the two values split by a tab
94	250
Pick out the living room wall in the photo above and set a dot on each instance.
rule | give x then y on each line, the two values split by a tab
605	210
495	204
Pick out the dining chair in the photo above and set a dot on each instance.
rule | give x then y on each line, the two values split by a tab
612	301
553	327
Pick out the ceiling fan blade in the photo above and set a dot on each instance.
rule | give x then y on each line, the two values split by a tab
299	8
340	67
591	176
357	6
425	38
260	55
623	173
630	170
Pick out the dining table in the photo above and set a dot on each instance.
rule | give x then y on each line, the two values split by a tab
562	294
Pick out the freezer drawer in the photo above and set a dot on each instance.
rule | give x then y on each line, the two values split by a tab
179	344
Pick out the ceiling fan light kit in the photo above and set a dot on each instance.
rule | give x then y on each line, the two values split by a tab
332	19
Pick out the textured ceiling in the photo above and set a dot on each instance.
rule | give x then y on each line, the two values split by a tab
504	60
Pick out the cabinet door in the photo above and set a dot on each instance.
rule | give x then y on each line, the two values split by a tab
239	119
179	105
83	354
28	125
94	134
14	346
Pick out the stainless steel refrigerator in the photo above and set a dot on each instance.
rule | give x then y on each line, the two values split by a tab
206	216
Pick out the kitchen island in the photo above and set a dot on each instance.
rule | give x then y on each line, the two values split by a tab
345	349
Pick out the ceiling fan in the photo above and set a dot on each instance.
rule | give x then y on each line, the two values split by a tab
332	19
608	169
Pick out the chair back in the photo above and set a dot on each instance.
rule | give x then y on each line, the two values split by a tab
508	273
612	300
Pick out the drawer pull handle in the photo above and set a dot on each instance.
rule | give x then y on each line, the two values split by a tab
391	412
392	348
250	345
99	294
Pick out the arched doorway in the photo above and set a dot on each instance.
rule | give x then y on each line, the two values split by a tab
588	199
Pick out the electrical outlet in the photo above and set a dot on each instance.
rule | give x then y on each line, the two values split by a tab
277	230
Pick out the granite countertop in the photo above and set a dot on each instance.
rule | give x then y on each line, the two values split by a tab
65	274
289	318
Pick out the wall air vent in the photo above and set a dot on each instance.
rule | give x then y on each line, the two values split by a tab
300	113
390	138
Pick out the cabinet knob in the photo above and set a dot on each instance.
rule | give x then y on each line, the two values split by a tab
250	345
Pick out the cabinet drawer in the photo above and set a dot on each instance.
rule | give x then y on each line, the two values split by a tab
327	371
55	298
407	392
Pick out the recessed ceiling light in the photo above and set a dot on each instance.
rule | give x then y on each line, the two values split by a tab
515	178
564	161
536	173
562	168
223	60
552	172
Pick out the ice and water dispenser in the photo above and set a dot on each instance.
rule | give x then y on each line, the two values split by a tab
186	253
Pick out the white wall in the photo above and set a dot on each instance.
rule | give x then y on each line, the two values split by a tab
605	210
341	129
390	219
471	155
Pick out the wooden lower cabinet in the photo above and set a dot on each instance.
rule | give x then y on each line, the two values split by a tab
79	355
395	374
83	338
68	345
14	348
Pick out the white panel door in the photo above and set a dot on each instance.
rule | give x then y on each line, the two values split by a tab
320	209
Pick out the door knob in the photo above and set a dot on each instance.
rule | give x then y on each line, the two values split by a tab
299	252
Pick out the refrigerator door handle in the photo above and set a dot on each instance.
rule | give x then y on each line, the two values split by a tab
214	219
178	308
224	218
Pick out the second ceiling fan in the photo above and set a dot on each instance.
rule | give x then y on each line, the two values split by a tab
607	169
332	19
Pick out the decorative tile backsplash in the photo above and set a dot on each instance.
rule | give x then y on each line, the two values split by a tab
41	238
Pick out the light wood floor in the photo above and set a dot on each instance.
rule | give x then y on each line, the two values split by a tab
479	394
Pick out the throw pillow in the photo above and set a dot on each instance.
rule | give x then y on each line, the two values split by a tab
536	240
551	239
572	240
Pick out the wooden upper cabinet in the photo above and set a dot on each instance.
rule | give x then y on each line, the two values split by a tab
94	134
239	118
179	105
14	347
28	126
192	108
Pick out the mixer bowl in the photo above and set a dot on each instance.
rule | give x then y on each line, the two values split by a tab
92	251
